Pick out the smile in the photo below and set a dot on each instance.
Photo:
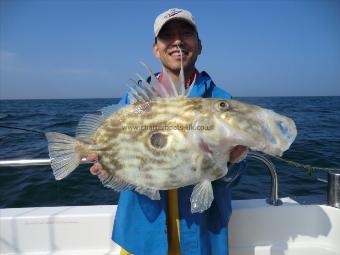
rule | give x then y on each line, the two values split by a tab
178	54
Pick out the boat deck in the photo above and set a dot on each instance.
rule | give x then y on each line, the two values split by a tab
256	228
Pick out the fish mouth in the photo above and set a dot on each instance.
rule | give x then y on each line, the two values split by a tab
236	154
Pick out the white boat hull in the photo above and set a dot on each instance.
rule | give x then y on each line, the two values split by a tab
256	228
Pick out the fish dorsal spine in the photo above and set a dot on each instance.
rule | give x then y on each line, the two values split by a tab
156	89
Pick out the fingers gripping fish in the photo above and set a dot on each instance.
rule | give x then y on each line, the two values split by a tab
166	140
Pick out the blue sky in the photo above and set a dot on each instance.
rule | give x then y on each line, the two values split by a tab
90	49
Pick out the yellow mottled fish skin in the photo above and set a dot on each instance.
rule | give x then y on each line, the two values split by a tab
130	154
165	140
168	158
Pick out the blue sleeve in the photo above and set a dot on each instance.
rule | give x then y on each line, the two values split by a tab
235	171
124	100
220	93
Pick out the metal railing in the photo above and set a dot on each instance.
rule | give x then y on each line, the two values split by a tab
31	162
274	196
333	189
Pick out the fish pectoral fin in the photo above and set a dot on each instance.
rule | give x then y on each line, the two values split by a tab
63	154
153	194
201	197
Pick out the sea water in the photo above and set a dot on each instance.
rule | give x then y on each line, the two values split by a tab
318	144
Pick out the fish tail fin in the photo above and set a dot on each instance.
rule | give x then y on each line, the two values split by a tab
64	154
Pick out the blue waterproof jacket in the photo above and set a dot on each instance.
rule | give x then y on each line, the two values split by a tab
140	223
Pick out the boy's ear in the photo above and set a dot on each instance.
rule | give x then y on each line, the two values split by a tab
199	46
155	50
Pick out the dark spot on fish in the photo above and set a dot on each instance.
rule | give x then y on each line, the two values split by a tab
148	176
158	140
172	176
150	162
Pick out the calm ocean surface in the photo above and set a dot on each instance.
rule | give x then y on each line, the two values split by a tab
317	144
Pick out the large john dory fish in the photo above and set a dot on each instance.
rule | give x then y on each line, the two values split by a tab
166	140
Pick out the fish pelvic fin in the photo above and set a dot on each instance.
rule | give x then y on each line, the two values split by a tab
201	197
65	153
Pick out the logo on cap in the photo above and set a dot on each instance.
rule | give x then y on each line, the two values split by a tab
172	12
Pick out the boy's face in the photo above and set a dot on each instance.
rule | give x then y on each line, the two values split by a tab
181	33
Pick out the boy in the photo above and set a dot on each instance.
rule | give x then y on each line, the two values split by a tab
166	226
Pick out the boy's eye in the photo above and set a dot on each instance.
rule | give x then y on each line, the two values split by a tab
165	35
188	33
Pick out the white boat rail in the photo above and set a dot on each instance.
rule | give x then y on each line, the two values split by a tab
31	162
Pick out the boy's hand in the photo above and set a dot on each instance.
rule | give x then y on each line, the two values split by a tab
97	168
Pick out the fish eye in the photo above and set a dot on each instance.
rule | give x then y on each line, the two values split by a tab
223	106
158	140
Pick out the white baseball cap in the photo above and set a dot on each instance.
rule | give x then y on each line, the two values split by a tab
171	14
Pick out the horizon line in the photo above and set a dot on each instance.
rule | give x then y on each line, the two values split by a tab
97	98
